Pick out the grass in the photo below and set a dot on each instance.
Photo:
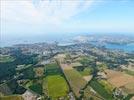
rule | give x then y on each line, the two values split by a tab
6	58
75	80
57	86
100	89
85	72
12	97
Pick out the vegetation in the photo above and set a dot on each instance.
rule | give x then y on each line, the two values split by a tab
29	73
8	69
100	89
36	87
129	72
6	58
86	71
12	97
108	87
52	69
129	97
57	86
86	61
88	94
75	80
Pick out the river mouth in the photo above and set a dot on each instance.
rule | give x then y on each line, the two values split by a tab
129	48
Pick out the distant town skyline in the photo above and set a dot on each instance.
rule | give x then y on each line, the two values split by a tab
25	18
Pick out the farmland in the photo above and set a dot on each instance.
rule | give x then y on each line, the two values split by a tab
90	93
52	69
119	79
54	84
86	71
57	86
13	97
75	80
100	89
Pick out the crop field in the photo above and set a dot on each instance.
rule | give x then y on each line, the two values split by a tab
106	85
129	72
85	72
119	79
129	88
56	86
100	89
52	69
75	80
88	94
13	97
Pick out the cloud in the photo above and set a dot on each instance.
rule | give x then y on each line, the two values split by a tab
45	12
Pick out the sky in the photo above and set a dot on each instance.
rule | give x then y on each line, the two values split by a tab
35	17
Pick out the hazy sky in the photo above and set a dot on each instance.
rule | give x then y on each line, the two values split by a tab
29	17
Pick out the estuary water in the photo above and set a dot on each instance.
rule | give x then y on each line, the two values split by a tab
126	48
123	47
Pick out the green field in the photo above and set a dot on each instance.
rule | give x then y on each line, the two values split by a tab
6	58
75	80
88	94
57	86
86	71
52	69
106	85
100	89
12	97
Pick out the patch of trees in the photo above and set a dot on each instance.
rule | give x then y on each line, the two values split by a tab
28	73
15	88
8	68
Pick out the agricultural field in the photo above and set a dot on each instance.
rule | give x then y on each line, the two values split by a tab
106	85
86	71
6	58
52	69
128	88
75	80
57	86
100	89
12	97
54	84
129	72
119	79
89	93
